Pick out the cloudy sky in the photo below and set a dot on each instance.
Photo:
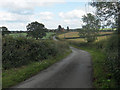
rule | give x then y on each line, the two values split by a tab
16	14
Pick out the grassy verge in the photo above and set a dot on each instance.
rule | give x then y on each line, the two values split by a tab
14	76
101	77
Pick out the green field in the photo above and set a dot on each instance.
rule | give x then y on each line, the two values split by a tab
108	29
18	34
48	35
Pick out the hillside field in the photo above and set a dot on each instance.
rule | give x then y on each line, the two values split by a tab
75	34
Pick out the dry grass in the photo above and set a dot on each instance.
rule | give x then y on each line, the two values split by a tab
75	34
69	34
105	32
102	38
77	40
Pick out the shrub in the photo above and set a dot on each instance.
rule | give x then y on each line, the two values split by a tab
113	61
20	51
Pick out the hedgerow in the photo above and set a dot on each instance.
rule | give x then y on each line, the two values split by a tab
20	51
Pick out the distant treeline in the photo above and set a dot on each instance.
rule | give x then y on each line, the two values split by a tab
55	30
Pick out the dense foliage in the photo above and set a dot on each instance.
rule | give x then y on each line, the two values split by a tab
108	11
4	30
20	51
36	30
91	27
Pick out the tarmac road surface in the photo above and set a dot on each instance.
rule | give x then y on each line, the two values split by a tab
74	71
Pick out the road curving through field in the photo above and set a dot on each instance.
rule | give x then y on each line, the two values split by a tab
74	71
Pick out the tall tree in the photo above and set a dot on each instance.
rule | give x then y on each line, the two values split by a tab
4	30
108	11
91	27
68	28
59	27
36	30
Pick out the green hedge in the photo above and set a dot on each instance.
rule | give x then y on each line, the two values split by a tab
20	51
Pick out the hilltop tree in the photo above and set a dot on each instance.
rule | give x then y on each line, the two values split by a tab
36	30
4	30
91	27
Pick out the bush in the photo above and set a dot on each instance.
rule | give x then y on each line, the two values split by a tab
111	48
113	61
20	51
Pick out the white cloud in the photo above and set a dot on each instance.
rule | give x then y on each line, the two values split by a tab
17	14
73	18
18	21
7	16
46	15
74	14
14	5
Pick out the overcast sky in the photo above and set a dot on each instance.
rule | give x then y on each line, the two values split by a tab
16	14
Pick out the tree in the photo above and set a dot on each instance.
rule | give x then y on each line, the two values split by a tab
4	30
108	11
91	27
59	27
68	28
36	30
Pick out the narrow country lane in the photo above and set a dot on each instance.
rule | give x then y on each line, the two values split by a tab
74	71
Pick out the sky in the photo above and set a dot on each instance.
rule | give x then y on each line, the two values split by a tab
16	14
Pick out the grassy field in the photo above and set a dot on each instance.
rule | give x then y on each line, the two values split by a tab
107	29
48	35
18	34
76	34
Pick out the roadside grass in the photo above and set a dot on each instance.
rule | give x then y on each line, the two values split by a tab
14	76
102	78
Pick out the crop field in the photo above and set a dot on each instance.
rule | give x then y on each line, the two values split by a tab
76	34
105	33
83	40
69	34
108	29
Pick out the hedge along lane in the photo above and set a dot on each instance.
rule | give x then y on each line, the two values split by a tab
74	71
